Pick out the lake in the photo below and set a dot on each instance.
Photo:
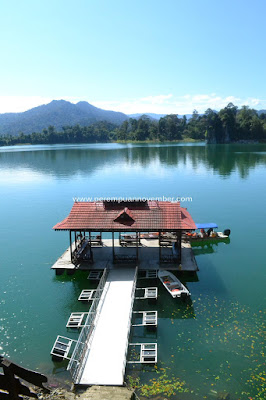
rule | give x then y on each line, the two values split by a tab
211	345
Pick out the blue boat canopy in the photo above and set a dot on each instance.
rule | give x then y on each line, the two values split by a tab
206	226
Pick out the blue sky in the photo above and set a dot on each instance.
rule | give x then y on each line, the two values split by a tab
168	56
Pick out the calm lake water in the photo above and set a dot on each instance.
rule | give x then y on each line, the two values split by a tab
213	344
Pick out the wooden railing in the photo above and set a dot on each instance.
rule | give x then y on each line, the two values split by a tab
10	385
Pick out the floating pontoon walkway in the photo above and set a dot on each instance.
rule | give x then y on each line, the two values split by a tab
105	359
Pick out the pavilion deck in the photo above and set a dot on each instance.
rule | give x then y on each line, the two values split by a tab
148	257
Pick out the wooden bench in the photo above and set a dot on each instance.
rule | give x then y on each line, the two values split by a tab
96	240
129	241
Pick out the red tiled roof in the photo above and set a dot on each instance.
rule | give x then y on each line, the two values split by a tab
126	214
187	221
148	216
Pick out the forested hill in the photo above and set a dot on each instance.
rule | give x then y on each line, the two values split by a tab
230	124
58	113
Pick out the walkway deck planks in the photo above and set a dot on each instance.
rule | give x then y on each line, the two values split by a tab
105	360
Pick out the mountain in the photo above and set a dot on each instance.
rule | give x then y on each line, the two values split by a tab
156	116
150	115
58	113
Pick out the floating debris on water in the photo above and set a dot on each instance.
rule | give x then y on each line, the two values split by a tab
218	354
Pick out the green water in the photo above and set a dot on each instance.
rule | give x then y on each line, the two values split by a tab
213	344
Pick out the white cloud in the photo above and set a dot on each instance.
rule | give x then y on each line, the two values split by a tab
201	97
9	104
20	103
254	102
170	104
160	104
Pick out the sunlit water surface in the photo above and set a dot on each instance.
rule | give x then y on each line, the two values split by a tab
213	345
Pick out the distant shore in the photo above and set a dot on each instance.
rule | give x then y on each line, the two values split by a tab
186	140
155	141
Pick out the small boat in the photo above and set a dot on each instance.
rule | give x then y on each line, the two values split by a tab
208	235
172	284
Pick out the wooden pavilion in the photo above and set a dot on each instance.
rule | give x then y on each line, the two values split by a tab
131	220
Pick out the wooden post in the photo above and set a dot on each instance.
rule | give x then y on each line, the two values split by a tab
91	256
179	236
70	245
12	386
160	252
113	245
137	248
75	239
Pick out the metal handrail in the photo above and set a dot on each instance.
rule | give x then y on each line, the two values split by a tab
85	334
130	317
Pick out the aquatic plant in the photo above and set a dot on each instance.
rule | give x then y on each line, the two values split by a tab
164	385
221	351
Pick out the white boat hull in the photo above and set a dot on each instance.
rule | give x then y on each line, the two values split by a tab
172	284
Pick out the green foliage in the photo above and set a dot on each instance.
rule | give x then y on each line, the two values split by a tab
163	386
228	119
196	127
171	128
229	124
99	132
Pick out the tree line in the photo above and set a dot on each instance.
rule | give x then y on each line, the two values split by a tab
227	125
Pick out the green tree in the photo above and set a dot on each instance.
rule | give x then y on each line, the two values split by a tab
196	127
214	131
228	117
244	120
142	132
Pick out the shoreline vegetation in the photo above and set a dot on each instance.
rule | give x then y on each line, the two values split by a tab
229	125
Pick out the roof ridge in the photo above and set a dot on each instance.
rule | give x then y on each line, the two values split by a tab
123	212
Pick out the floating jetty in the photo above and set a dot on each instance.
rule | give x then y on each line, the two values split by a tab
99	356
105	361
148	238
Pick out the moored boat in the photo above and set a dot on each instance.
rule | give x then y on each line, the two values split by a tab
172	284
206	232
